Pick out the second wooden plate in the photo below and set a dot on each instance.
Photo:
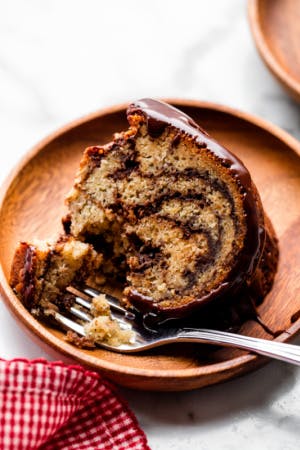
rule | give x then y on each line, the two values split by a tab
275	26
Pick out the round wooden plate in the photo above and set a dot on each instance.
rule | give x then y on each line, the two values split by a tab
32	206
275	26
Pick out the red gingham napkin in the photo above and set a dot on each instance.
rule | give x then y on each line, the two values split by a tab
51	406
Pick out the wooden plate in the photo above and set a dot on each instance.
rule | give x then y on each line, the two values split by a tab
32	205
275	26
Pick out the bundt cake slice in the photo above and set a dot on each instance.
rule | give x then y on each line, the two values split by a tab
176	213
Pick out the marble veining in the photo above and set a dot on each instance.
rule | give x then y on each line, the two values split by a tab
62	59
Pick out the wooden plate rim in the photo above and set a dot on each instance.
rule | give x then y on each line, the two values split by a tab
287	80
95	362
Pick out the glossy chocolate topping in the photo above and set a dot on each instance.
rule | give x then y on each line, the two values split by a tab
158	117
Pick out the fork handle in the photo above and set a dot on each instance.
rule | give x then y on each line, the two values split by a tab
273	349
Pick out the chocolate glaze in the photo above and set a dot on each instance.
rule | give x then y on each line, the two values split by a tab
158	117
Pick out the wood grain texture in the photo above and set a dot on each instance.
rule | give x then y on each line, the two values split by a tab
275	25
31	206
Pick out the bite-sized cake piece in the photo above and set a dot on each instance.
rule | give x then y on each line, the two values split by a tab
41	271
102	329
176	213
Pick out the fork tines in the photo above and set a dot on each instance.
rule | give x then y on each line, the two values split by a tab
85	296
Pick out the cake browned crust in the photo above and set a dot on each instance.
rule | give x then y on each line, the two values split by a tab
175	213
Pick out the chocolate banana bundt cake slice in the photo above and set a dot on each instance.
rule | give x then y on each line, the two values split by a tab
177	214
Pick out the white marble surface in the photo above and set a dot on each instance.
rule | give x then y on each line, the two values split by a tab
60	59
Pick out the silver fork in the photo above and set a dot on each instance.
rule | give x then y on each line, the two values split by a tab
145	338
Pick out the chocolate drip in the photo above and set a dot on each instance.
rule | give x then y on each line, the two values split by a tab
159	116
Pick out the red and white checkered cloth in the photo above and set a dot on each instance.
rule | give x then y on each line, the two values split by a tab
51	406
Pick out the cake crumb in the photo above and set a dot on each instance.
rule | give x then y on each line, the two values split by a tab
100	306
103	329
79	341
